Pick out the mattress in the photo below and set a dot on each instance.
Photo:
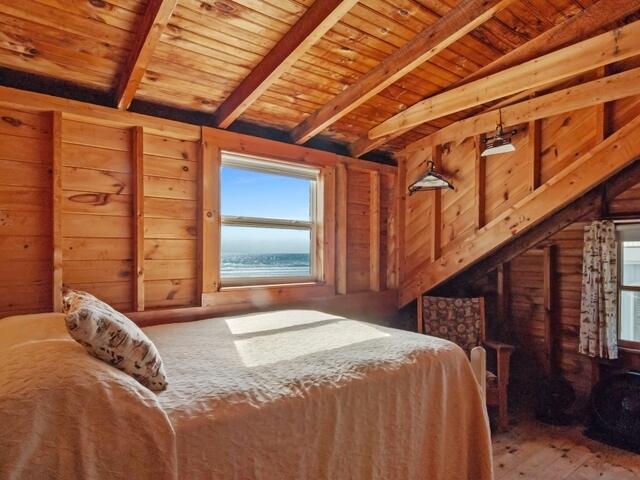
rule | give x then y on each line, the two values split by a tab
292	394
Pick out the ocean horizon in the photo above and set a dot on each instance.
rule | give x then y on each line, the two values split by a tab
265	265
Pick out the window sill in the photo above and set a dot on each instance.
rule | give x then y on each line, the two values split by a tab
266	295
253	286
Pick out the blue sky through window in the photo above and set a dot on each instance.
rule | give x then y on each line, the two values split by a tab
257	194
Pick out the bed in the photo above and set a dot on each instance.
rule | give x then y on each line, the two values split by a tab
292	394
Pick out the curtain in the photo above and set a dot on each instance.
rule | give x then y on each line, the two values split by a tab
599	307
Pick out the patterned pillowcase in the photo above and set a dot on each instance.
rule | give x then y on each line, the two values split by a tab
110	336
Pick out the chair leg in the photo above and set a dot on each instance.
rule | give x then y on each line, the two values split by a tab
503	411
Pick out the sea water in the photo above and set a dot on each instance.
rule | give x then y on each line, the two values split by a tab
265	265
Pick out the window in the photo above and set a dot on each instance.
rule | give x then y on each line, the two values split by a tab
269	222
629	282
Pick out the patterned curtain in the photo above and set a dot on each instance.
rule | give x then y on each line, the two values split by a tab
599	309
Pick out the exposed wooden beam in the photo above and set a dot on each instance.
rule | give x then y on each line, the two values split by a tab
591	169
137	134
588	22
155	19
464	18
315	22
614	87
569	61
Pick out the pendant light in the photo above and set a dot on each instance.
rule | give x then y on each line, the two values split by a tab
500	142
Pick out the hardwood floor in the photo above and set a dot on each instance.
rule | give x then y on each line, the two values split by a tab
534	450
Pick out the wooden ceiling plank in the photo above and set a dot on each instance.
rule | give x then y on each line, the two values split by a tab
154	21
576	28
468	15
614	87
320	17
601	50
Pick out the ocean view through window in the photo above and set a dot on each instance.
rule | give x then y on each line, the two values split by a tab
268	221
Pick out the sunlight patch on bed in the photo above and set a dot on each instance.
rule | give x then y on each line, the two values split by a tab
263	322
290	344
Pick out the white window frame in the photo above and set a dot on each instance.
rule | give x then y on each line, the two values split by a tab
621	227
277	167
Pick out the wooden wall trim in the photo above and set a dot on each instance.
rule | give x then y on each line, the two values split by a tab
209	218
547	293
56	207
137	134
534	151
374	231
240	143
436	207
96	114
328	237
341	229
479	198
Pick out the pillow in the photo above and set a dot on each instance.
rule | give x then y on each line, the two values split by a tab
110	336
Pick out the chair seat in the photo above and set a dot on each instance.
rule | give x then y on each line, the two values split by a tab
492	379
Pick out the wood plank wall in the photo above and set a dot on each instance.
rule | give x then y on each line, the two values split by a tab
509	177
126	200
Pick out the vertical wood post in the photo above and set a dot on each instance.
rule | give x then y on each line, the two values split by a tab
535	144
341	235
480	178
400	205
392	237
420	314
56	209
547	296
209	219
503	272
138	218
374	231
436	207
328	238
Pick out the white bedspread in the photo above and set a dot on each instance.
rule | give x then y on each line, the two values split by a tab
282	395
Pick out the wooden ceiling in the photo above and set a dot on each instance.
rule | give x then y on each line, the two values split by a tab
201	54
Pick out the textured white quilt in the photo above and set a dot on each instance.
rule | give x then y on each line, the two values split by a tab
285	395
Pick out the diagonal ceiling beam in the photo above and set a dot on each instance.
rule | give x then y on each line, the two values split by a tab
316	21
155	19
579	27
587	55
607	89
464	18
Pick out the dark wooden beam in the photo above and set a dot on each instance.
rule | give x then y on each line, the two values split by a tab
590	21
316	21
464	18
155	19
587	205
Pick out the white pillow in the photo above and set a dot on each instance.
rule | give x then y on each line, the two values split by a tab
110	336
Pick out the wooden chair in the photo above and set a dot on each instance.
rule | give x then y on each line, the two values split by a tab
462	321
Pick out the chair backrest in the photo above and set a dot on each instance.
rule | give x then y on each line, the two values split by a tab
460	320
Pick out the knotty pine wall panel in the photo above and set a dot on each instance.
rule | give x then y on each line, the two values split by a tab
101	205
97	236
25	212
170	208
358	254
